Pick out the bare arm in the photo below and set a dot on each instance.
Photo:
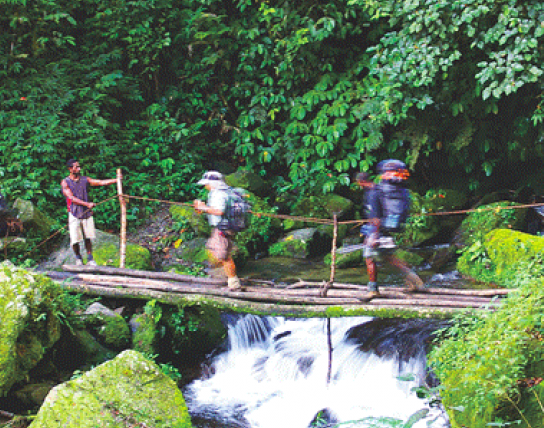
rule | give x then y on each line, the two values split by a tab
202	207
94	182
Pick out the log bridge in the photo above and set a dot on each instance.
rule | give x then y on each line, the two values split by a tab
300	299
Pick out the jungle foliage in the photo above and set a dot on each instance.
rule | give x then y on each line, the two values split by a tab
304	93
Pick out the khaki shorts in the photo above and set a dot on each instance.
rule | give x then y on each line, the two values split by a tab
80	229
220	244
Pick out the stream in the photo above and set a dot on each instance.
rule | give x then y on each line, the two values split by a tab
274	372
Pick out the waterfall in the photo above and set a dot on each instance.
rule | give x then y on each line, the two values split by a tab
273	374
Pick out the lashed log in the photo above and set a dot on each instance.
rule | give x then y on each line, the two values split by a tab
234	304
284	297
116	281
167	276
454	291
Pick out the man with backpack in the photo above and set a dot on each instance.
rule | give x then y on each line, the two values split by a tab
387	205
220	244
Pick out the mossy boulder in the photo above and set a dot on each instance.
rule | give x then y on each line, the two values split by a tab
115	333
187	215
129	390
13	244
320	207
30	324
32	218
192	332
193	251
144	328
105	252
498	258
249	181
485	218
301	243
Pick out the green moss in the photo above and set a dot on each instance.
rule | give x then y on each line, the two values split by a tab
187	215
498	257
29	310
137	257
296	248
129	390
353	259
115	332
144	339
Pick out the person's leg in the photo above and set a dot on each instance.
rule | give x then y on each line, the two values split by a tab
76	236
413	280
89	230
372	270
219	247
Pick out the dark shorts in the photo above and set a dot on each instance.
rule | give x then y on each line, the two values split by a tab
220	244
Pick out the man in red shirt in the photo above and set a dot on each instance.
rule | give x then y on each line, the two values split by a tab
80	215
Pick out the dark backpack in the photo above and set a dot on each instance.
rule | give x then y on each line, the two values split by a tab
394	196
237	210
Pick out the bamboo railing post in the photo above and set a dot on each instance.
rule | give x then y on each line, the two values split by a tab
123	204
329	284
333	250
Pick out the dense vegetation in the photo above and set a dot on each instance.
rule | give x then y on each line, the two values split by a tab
304	93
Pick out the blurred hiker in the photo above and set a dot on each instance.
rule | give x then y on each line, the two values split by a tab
220	244
80	215
386	207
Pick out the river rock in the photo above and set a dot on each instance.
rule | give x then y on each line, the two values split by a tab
249	181
129	390
29	322
301	243
32	217
105	252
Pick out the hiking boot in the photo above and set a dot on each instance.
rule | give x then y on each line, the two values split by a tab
79	262
91	263
372	292
414	282
234	284
366	297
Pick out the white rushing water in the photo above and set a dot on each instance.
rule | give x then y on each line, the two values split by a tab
274	375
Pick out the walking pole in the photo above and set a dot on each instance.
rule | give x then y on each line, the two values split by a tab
122	202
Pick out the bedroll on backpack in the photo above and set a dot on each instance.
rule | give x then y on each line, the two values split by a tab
237	210
394	197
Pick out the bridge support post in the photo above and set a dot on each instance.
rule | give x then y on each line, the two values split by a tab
123	203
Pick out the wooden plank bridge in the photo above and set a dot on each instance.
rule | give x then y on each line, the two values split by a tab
300	299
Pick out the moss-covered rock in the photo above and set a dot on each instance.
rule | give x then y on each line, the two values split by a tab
32	218
301	243
13	244
29	322
249	181
487	218
192	251
185	214
115	333
137	257
497	258
192	332
105	252
144	328
129	390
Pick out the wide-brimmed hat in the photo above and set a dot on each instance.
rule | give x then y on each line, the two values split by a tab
210	177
